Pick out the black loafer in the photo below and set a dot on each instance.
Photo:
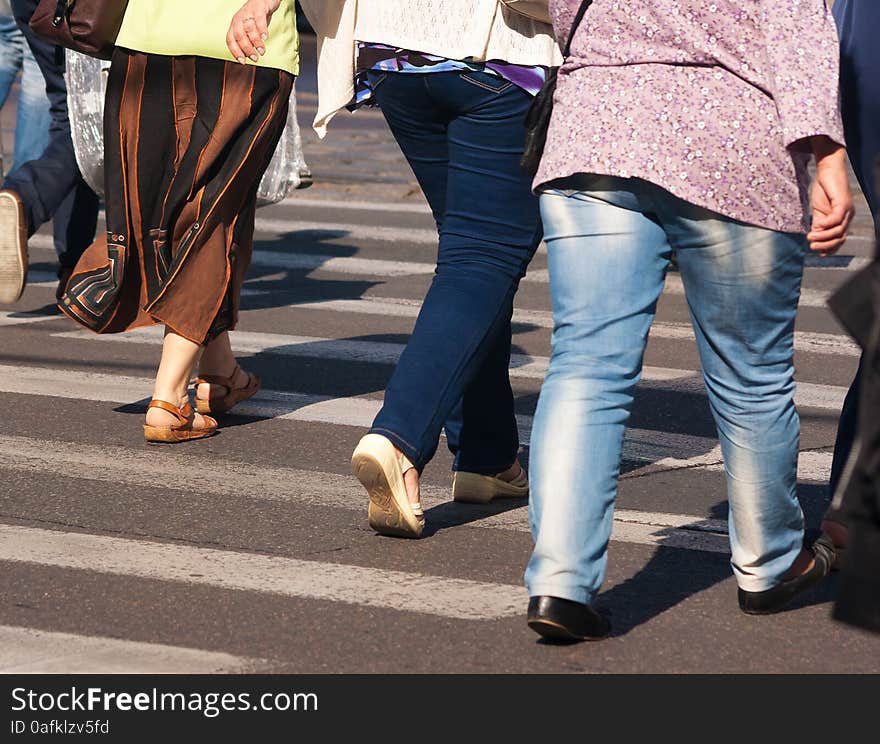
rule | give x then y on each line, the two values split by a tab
563	620
775	599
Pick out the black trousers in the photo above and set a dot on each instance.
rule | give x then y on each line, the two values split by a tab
51	186
860	102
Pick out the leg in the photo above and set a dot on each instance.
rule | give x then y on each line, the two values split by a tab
860	105
222	383
485	245
172	380
607	262
43	184
742	285
489	438
846	432
32	118
30	196
74	224
11	45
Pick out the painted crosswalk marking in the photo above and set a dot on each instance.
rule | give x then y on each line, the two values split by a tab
231	479
459	599
31	651
522	366
656	448
17	317
805	341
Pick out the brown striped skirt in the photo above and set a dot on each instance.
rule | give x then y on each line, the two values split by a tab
186	142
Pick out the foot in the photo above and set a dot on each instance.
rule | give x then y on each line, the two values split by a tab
811	566
160	417
475	488
411	482
512	473
392	484
237	376
563	620
838	534
13	247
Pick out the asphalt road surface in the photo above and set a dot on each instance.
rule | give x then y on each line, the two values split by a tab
250	551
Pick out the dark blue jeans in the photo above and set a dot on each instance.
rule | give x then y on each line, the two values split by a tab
857	22
51	186
463	136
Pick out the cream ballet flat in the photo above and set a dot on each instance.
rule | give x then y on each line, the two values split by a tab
473	488
380	468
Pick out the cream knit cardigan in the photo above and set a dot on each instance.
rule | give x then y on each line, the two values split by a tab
457	29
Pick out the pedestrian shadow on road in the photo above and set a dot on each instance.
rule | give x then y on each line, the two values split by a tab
280	271
452	514
673	575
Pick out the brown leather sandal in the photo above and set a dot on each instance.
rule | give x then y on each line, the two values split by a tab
182	431
222	403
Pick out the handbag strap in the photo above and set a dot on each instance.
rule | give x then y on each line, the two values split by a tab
579	16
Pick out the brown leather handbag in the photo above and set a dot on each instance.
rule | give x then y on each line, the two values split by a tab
86	26
537	10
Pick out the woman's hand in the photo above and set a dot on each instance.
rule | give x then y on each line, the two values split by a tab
832	200
249	29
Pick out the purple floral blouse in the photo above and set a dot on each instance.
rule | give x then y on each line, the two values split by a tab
709	99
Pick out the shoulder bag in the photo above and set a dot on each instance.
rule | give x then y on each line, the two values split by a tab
86	26
537	10
538	118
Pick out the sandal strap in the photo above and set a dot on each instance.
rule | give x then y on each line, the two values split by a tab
227	382
183	414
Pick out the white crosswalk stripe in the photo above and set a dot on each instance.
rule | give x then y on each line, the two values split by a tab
123	466
14	317
349	231
371	587
30	651
379	352
662	449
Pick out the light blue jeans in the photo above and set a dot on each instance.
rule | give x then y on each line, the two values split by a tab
609	243
32	118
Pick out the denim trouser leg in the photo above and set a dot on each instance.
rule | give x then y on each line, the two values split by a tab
482	431
462	134
742	285
11	52
608	251
74	224
857	23
32	118
43	184
32	115
607	266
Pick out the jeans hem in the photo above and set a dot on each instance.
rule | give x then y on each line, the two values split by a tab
754	584
483	469
574	594
411	453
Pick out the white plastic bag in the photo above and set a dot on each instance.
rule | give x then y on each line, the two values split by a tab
86	83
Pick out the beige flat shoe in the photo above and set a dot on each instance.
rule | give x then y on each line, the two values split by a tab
13	248
380	468
473	488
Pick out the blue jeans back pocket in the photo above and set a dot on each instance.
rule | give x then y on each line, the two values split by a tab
486	81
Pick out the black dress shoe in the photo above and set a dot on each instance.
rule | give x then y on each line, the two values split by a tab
564	620
775	599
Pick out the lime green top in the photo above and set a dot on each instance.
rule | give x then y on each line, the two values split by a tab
199	27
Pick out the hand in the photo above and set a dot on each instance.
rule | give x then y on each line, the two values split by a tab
249	29
831	199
